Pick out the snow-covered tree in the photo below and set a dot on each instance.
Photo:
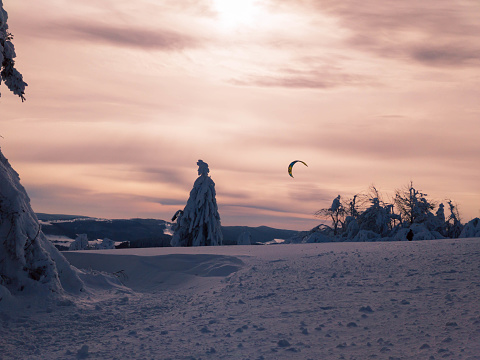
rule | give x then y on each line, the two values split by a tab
335	212
454	225
199	223
80	243
413	205
439	220
28	261
105	244
13	79
471	229
376	218
351	209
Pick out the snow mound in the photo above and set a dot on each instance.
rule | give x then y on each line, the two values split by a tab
366	235
471	229
157	273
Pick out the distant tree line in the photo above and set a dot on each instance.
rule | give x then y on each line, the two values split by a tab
367	216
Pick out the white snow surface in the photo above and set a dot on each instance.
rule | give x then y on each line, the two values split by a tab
372	300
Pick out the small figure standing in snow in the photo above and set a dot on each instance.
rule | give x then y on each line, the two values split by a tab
410	235
199	223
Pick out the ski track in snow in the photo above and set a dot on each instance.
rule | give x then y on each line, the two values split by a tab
395	300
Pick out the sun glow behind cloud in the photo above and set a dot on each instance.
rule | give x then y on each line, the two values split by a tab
232	14
124	97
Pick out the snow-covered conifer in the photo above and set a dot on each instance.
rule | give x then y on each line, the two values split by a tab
199	223
471	229
105	244
439	221
375	218
13	79
28	261
80	243
440	214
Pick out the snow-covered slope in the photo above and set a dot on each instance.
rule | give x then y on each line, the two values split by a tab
28	261
394	300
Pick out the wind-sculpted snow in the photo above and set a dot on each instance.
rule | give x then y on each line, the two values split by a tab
153	273
383	300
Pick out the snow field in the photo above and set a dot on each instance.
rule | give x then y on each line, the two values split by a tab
395	300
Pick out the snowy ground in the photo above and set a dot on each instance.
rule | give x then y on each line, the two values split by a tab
395	300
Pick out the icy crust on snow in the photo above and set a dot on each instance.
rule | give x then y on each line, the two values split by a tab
29	263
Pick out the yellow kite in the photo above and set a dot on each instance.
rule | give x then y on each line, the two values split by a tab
290	167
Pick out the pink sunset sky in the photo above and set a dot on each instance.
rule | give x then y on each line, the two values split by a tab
125	96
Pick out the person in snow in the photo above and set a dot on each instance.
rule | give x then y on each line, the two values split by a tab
410	235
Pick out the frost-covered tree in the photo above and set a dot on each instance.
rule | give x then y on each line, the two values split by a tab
368	214
351	208
440	222
413	205
28	261
199	222
453	223
336	212
471	229
80	243
13	79
367	217
105	244
376	218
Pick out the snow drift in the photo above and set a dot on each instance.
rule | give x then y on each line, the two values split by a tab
152	273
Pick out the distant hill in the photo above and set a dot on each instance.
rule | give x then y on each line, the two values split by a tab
60	217
260	234
141	232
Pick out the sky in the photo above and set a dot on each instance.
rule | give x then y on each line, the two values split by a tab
124	97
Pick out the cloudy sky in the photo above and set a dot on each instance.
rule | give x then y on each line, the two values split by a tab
125	96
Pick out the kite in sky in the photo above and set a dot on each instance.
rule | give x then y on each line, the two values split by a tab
290	167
